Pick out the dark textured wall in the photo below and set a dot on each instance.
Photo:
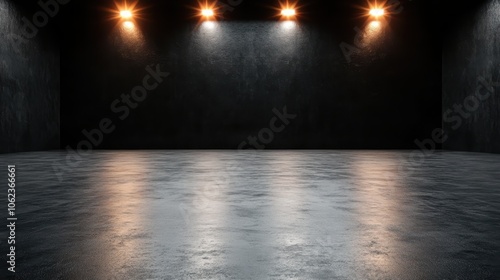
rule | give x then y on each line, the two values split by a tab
227	77
471	77
29	82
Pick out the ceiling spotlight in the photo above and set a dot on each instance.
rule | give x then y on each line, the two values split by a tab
126	14
288	12
207	12
377	12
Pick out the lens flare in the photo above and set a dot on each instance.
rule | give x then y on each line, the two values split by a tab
126	14
207	12
288	12
377	12
124	11
377	9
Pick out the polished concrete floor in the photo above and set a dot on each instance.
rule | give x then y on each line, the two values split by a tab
256	215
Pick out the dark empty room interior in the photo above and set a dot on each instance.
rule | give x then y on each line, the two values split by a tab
250	139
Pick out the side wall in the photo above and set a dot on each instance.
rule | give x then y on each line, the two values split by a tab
29	82
471	78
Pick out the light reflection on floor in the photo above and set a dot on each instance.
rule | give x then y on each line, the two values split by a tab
378	212
258	215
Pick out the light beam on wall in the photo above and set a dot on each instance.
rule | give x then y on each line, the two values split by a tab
128	25
288	24
127	37
210	25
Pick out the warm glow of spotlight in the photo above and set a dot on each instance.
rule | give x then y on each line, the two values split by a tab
374	24
207	12
209	24
289	24
128	25
288	12
377	12
126	14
